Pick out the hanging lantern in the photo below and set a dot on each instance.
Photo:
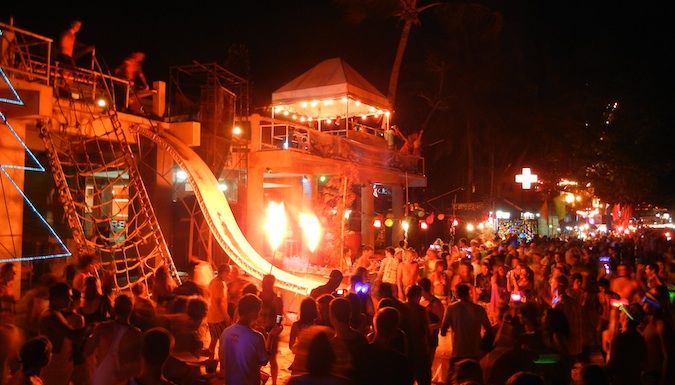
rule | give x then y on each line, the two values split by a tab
440	216
430	219
389	222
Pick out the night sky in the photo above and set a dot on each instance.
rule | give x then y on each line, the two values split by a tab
613	50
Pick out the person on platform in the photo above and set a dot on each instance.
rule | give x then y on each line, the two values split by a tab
67	43
131	70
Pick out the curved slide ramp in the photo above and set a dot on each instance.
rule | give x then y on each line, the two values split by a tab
219	217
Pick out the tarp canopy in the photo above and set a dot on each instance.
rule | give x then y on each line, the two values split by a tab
332	88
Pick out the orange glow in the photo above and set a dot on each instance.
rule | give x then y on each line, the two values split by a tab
311	229
569	198
276	225
220	218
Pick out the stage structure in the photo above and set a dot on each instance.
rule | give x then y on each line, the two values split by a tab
118	160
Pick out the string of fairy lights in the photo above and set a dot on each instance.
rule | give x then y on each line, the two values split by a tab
329	110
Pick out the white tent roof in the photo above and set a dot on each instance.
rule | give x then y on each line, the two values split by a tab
330	88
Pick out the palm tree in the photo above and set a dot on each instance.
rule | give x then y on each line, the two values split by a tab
406	10
408	13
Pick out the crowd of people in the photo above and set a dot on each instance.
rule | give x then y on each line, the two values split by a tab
506	312
496	312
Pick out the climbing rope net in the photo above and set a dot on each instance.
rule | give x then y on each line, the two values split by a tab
95	168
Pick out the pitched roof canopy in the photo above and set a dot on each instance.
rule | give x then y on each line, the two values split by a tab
329	89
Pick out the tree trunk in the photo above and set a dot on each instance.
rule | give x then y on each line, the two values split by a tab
398	60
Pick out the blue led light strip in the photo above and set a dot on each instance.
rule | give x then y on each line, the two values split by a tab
17	100
44	222
38	167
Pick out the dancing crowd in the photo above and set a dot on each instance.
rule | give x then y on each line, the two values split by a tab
544	311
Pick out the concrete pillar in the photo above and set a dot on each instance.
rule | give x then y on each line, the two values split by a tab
11	215
397	200
397	209
159	98
309	189
255	208
256	132
367	215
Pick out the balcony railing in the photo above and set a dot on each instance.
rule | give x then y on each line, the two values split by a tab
29	56
284	135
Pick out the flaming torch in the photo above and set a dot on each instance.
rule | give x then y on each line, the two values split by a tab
276	226
311	229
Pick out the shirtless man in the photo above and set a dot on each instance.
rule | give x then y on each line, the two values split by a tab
116	346
623	284
131	69
364	260
408	272
67	42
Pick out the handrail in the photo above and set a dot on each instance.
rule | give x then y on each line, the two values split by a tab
26	32
30	56
277	134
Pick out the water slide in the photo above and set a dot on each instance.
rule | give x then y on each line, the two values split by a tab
220	219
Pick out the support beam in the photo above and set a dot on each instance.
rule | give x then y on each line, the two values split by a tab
397	204
367	215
